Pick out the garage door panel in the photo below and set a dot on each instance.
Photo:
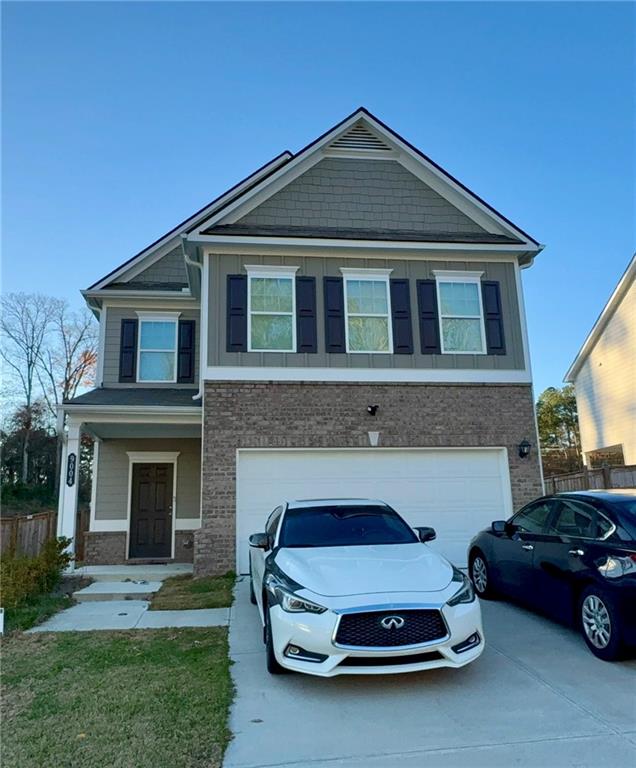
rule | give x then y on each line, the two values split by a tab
456	491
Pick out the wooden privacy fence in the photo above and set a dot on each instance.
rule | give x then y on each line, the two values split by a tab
589	479
26	535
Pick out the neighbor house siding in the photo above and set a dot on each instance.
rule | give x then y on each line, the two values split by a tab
223	265
366	194
113	468
114	316
168	269
606	384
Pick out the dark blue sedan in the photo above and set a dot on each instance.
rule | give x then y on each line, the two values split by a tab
571	556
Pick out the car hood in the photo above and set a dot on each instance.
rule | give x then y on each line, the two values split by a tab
337	571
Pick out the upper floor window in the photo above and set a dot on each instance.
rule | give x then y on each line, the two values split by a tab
271	309
461	313
368	310
157	352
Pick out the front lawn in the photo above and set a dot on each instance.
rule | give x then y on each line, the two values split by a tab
181	593
34	611
142	698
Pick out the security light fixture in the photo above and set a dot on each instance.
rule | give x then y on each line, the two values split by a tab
372	409
524	449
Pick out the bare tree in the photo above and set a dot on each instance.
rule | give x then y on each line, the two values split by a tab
67	361
25	324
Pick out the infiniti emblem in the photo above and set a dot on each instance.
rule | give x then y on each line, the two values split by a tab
392	622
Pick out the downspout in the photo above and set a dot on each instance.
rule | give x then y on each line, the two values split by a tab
199	266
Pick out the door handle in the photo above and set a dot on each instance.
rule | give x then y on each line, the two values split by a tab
576	552
529	547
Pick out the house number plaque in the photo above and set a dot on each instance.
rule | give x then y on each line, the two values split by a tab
71	464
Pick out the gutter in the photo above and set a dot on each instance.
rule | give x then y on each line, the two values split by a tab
199	266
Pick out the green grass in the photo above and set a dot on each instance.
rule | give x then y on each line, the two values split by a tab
34	611
141	698
181	593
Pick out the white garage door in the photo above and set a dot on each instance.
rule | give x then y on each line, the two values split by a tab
455	491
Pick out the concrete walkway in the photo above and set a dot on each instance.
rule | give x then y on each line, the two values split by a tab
536	697
129	614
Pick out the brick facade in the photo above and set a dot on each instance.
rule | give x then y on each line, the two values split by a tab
109	548
334	415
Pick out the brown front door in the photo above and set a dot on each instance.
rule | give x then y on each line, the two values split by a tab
151	511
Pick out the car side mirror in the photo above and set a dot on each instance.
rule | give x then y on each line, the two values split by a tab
499	526
259	540
426	534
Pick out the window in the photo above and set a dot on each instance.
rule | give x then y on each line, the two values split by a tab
533	518
157	359
368	310
272	309
579	521
461	314
272	523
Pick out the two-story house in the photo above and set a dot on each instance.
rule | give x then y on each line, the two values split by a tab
347	321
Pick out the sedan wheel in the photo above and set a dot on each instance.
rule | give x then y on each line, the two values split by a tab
479	575
600	624
273	667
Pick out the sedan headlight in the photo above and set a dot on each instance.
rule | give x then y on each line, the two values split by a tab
294	604
615	567
465	593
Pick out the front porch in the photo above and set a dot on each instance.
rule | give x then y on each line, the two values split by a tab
146	479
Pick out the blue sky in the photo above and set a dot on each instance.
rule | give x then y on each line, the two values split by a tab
122	119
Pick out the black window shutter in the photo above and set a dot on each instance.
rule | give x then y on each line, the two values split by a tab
185	352
128	351
236	319
493	319
428	315
401	314
306	338
334	315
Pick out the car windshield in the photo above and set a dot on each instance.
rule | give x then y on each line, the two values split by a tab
344	526
627	510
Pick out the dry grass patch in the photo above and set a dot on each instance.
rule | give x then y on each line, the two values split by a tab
142	698
181	593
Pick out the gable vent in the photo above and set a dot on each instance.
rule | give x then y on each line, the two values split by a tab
360	137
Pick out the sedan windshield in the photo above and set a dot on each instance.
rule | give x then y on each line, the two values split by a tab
344	526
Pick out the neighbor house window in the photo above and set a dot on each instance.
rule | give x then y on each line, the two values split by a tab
461	314
272	309
157	360
368	310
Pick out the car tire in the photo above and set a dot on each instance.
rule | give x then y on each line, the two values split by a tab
479	573
252	593
273	667
600	623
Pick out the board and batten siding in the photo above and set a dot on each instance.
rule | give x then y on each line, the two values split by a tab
114	316
112	475
223	265
606	384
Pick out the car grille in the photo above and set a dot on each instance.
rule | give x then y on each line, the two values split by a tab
365	630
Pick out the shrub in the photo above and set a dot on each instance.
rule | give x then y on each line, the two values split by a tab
22	578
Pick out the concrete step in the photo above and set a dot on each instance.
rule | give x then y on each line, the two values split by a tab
134	572
117	590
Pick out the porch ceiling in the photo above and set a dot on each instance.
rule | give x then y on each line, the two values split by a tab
108	430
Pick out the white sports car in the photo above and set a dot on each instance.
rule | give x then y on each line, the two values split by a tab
345	586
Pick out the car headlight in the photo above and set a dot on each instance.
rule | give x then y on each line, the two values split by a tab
615	567
288	600
465	593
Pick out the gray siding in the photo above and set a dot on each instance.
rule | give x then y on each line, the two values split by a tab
168	269
349	193
114	316
112	475
221	266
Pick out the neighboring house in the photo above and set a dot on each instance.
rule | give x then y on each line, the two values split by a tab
604	378
347	321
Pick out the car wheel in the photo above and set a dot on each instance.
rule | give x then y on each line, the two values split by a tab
252	593
480	575
600	624
273	667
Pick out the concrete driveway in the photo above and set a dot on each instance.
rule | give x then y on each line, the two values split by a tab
536	697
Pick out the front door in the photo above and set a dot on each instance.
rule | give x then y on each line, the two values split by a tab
151	511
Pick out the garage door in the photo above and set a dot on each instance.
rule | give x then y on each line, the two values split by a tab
456	491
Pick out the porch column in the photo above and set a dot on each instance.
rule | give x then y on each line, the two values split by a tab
69	484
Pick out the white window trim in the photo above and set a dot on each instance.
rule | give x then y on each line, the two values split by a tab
376	275
265	271
152	457
454	276
155	317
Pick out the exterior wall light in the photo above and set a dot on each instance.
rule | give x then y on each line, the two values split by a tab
524	449
372	409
